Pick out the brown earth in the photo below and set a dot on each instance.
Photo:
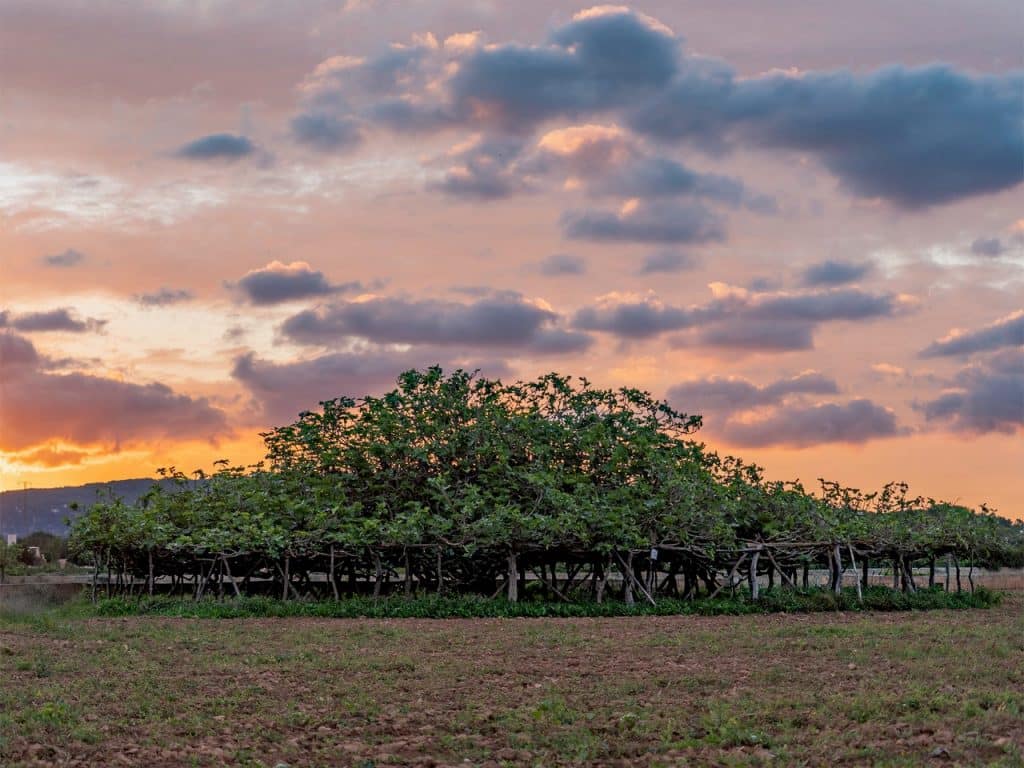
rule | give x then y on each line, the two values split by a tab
942	688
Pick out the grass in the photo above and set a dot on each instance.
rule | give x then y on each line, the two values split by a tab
889	688
468	606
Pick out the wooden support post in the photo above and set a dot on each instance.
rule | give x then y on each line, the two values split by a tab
513	578
837	556
752	582
331	577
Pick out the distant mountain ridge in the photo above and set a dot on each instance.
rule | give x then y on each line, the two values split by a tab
45	509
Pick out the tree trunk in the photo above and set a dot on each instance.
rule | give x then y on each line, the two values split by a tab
853	567
837	555
513	578
771	576
755	592
150	578
227	572
956	564
603	582
807	576
378	574
407	564
331	577
947	573
285	577
970	574
908	576
440	572
865	572
627	582
931	573
688	580
897	574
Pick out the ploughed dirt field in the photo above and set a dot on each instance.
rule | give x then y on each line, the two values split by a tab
936	688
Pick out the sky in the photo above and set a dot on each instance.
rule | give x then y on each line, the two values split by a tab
802	220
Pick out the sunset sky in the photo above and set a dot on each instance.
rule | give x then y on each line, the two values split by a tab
803	220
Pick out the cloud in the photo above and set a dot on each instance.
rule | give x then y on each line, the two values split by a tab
800	426
502	320
1005	332
822	306
67	258
558	264
983	398
913	136
606	161
50	456
659	176
16	350
988	246
54	320
737	318
217	146
38	407
277	283
744	333
596	62
643	222
781	414
282	390
164	297
832	272
666	261
634	319
726	395
484	170
325	132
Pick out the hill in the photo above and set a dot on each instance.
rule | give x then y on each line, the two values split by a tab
45	509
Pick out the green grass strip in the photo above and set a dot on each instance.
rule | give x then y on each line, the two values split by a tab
469	606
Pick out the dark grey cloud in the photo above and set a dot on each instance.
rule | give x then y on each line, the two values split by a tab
821	306
726	395
16	350
117	412
53	320
282	390
66	258
635	319
217	146
484	171
659	176
277	283
988	246
501	320
325	132
605	161
799	426
916	137
741	332
741	320
591	64
558	264
983	398
831	272
164	297
666	261
647	222
1005	332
